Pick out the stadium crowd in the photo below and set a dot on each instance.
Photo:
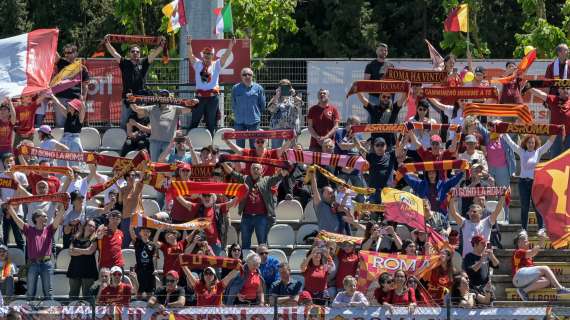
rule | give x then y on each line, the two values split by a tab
95	233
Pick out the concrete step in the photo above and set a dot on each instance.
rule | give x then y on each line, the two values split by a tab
547	255
539	295
503	285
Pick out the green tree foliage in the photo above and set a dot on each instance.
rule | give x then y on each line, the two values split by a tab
14	20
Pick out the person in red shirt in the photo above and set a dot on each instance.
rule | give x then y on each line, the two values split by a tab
402	294
109	242
383	293
7	123
26	115
171	249
322	121
559	106
53	182
208	289
440	279
116	293
526	276
347	263
436	152
511	92
259	151
316	268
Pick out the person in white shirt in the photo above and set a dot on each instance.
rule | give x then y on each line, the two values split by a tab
471	153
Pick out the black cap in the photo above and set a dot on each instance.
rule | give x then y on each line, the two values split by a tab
74	195
379	140
480	69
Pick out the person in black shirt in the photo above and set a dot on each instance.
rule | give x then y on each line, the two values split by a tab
138	132
286	290
146	254
171	295
477	264
376	69
133	72
75	115
385	112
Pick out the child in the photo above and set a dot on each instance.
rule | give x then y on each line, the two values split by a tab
146	254
171	249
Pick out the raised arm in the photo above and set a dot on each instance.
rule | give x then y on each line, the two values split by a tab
156	51
229	277
82	112
453	212
19	222
116	55
539	94
495	214
228	52
546	146
315	189
235	148
516	148
58	104
365	102
60	211
191	55
166	152
12	111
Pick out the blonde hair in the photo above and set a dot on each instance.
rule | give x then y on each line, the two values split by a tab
284	82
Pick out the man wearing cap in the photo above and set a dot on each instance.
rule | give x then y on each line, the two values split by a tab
206	75
39	239
169	296
269	266
259	150
8	161
248	103
478	264
472	155
133	72
322	120
180	149
385	111
436	152
286	290
116	293
111	239
479	80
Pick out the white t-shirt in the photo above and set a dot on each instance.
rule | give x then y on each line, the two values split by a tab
478	155
6	194
214	70
470	229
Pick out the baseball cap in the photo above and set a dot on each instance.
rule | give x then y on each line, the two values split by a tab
211	270
45	129
305	296
163	93
379	140
470	139
115	213
480	69
76	104
173	274
435	138
116	269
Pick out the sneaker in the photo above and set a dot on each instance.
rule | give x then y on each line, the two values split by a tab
541	233
563	291
522	294
522	232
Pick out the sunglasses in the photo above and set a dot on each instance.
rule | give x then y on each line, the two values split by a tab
207	54
385	97
259	141
118	274
170	280
263	253
379	145
422	109
247	74
69	52
388	282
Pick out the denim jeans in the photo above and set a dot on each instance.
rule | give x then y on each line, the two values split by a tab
39	120
8	224
525	189
559	146
246	127
156	148
77	284
44	270
73	142
59	115
124	226
7	287
249	223
502	179
207	108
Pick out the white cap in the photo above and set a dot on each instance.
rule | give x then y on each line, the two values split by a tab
116	269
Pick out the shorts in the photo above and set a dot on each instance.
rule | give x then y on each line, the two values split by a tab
525	276
147	281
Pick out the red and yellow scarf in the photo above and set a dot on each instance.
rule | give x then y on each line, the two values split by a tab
284	164
132	39
195	261
522	128
378	86
443	165
62	197
498	110
460	92
189	103
186	188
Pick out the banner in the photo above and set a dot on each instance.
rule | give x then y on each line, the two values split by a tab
286	134
8	183
372	264
547	83
378	86
239	59
404	207
522	128
186	188
470	192
460	92
416	76
550	192
104	91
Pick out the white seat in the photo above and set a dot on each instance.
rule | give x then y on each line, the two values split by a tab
113	139
289	211
247	252
106	169
138	304
57	133
130	258
232	235
60	285
200	137
63	259
19	303
491	205
150	207
279	254
309	214
305	230
218	141
457	261
90	138
131	154
304	138
17	256
149	192
281	235
233	213
297	258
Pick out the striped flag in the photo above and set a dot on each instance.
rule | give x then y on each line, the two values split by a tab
27	61
458	19
225	21
176	14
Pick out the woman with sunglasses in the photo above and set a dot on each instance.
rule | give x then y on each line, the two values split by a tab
285	108
208	288
315	268
261	151
383	292
234	252
422	115
82	271
385	112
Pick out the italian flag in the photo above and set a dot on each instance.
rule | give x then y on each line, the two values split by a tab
225	22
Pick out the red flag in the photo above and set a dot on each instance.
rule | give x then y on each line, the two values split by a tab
458	19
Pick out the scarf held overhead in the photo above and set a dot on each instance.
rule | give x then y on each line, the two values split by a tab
378	86
416	76
338	181
378	128
432	126
190	103
8	183
470	192
327	159
196	261
132	39
186	188
267	134
498	110
547	83
139	220
443	165
87	157
369	207
61	197
521	128
47	169
284	164
460	92
338	238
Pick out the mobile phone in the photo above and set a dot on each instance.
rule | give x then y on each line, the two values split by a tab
489	245
285	90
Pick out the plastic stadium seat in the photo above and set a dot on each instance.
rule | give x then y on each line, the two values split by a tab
304	138
491	205
113	139
233	214
130	258
281	236
60	285
17	256
138	304
20	303
150	207
232	235
62	260
297	258
279	254
217	141
90	139
305	230
131	154
149	192
247	252
289	211
105	169
200	137
57	133
309	214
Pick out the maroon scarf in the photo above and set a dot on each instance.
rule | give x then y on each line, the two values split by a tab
267	134
132	39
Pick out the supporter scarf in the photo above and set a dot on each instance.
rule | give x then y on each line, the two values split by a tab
547	83
432	126
416	76
498	110
284	164
470	192
338	238
189	103
338	181
378	128
62	197
88	157
267	134
443	165
6	268
8	183
370	207
378	86
139	220
556	69
58	170
124	168
165	167
198	261
197	172
186	188
132	39
160	182
327	159
520	128
522	67
460	92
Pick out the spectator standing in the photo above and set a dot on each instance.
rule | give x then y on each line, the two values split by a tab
116	293
171	249
402	294
138	132
559	106
478	264
322	121
73	123
285	108
171	295
208	289
206	76
47	142
259	150
269	266
511	91
8	161
315	268
286	290
146	254
133	73
39	239
472	155
7	124
248	103
347	259
423	135
433	188
381	238
234	252
131	196
384	112
440	278
350	297
9	271
558	69
376	68
78	214
82	270
110	240
26	116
